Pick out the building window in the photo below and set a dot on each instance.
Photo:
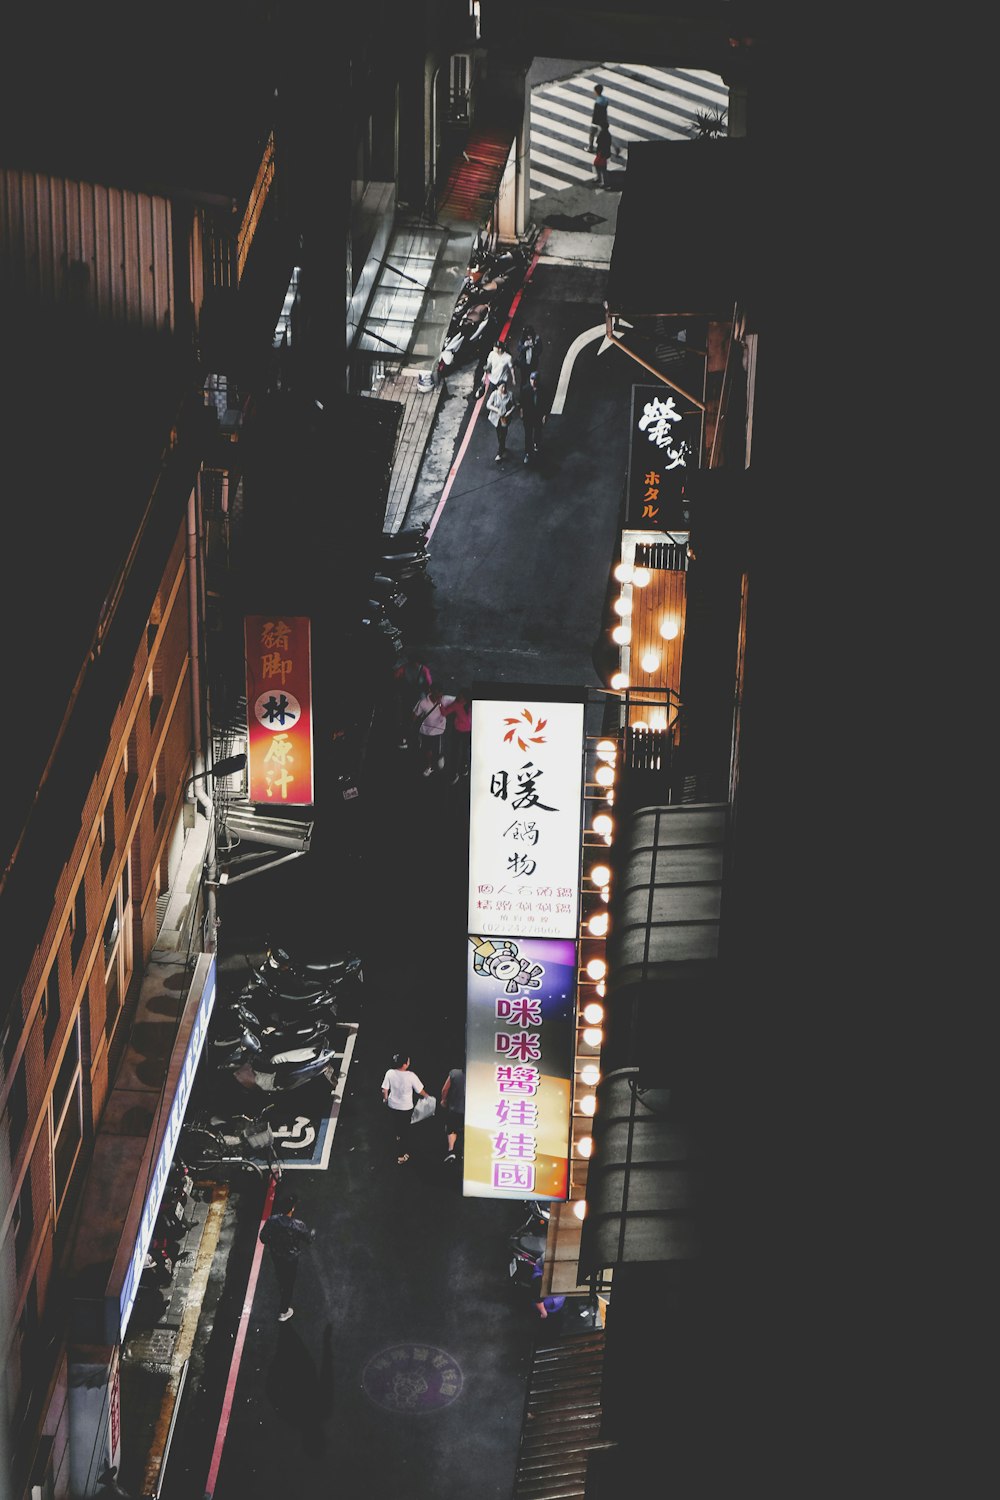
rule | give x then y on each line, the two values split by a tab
159	796
50	1006
23	1222
78	924
129	763
154	689
67	1116
107	836
114	962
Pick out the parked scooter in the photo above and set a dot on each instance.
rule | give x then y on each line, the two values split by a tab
279	960
298	989
276	1071
527	1251
245	1014
281	1011
403	554
388	592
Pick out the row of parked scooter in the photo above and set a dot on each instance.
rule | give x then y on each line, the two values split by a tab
401	567
484	297
277	1034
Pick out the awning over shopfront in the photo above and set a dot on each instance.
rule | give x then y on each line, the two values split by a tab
701	263
642	1183
473	183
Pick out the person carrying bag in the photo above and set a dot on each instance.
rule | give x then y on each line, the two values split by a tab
501	406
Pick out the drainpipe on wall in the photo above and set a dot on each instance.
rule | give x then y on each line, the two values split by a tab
198	794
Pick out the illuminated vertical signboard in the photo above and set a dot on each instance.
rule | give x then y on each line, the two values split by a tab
663	450
526	792
279	710
520	1035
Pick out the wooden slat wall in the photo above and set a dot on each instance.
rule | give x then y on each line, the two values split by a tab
664	597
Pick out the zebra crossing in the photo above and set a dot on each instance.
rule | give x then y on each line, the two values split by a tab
644	104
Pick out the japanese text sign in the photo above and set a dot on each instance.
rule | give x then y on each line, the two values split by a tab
520	1038
279	710
663	450
526	789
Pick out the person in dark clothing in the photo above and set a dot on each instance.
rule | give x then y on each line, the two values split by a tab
529	354
453	1100
411	679
534	413
602	155
599	117
284	1235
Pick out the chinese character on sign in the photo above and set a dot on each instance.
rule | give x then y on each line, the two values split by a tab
524	1011
517	1080
275	635
527	796
519	1044
655	421
517	1112
276	710
277	761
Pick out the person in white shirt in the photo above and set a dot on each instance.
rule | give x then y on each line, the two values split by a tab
398	1088
499	366
501	406
431	725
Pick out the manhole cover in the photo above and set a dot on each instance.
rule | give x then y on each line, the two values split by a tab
413	1378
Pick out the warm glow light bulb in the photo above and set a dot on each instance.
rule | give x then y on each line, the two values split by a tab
602	823
658	720
598	924
604	776
623	572
650	661
641	726
609	798
669	630
621	635
597	968
622	606
606	750
585	1146
593	1012
593	1036
580	1208
588	1104
591	1074
601	987
619	681
640	577
600	874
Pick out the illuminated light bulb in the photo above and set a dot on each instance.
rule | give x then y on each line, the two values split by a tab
640	577
604	776
597	968
658	720
606	894
602	823
585	1146
591	1074
619	681
669	630
641	726
580	1208
593	1036
623	572
610	799
601	987
600	874
621	635
622	606
598	924
588	1104
606	750
650	661
593	1012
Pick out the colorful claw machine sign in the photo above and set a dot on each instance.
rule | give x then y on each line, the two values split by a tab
526	791
663	450
520	1036
279	710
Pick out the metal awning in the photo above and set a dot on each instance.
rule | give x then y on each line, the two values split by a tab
474	180
642	1180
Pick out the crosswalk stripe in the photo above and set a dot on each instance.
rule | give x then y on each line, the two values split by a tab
645	103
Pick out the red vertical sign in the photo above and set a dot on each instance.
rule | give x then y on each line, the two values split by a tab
279	710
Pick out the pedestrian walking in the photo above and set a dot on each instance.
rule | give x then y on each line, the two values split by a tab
602	155
535	403
398	1088
428	713
453	1103
498	366
529	354
501	406
459	715
599	117
411	679
285	1235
